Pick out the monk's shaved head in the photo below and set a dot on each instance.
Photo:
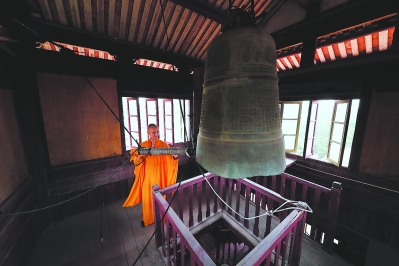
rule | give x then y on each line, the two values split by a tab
151	125
153	132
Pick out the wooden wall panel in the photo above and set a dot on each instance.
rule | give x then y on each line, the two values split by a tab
13	168
380	153
78	125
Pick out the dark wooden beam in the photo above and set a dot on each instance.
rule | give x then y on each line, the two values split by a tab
353	33
308	51
136	80
122	49
68	63
343	16
310	41
361	121
348	66
340	78
203	9
395	41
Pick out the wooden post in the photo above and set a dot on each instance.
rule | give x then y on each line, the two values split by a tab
281	215
215	188
298	237
247	198
190	205
121	125
30	120
332	216
395	42
157	220
230	193
199	191
208	207
257	211
222	192
238	193
315	214
361	121
308	51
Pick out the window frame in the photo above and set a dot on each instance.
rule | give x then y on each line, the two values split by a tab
171	115
131	141
344	131
309	120
298	119
157	109
179	134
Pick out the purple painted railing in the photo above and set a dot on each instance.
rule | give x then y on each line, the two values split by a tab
276	243
197	207
323	201
174	239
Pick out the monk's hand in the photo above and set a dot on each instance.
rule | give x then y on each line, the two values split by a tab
175	156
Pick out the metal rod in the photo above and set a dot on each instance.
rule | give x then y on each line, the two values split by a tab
163	151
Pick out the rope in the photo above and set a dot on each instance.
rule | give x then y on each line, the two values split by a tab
268	212
166	29
109	108
360	182
65	201
62	48
160	221
176	191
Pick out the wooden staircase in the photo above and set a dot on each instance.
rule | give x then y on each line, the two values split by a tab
223	246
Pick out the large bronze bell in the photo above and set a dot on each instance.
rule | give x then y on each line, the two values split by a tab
240	128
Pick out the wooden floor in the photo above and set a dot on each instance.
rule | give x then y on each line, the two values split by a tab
77	241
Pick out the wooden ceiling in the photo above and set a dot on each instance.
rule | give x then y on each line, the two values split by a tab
178	32
179	27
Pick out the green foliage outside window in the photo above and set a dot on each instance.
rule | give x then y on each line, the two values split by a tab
323	127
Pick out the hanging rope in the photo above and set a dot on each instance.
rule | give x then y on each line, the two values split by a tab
268	212
113	113
349	179
65	201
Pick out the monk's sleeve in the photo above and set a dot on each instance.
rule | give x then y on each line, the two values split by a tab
135	195
172	166
133	156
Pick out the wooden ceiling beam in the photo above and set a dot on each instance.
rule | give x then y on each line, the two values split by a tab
395	41
340	79
350	68
144	79
123	50
203	9
354	12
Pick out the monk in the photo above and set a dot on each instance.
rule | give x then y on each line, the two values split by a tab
150	170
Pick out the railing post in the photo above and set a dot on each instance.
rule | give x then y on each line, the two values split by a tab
222	192
157	217
298	237
332	216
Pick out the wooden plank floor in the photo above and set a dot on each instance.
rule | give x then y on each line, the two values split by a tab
77	241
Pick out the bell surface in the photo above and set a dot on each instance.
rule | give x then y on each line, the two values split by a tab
240	127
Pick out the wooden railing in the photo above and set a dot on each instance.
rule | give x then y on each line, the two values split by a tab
173	238
197	205
323	201
273	248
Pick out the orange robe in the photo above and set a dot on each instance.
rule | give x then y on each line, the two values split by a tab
155	169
